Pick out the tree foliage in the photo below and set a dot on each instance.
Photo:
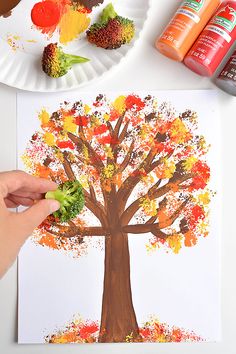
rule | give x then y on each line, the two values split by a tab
142	153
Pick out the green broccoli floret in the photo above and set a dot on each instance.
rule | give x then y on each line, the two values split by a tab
70	196
111	31
56	63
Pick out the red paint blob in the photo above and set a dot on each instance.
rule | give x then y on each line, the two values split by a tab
45	14
132	101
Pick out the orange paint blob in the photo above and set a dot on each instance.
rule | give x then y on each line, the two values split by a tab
48	241
45	14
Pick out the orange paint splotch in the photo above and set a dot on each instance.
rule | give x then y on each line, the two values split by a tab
49	241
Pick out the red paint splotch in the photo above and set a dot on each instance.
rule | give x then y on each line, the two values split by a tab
45	14
76	332
152	331
133	101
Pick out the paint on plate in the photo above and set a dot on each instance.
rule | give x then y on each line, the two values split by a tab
69	18
89	4
7	6
16	42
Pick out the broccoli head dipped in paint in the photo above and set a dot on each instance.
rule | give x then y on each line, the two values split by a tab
111	31
56	63
71	198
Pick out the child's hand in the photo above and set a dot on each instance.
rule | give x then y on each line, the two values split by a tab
19	188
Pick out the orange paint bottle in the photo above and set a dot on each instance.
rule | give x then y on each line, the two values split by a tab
184	28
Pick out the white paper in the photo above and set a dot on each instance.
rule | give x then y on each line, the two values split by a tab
181	290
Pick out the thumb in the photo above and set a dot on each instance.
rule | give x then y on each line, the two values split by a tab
29	219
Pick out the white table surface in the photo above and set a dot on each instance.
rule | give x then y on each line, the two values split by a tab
144	69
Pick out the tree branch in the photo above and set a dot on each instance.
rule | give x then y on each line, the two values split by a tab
109	126
92	192
95	159
169	221
126	160
80	231
139	229
90	202
161	206
151	220
154	187
115	136
152	194
67	167
118	125
157	163
124	132
131	181
155	229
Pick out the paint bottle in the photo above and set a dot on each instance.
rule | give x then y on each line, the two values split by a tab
227	78
214	42
184	28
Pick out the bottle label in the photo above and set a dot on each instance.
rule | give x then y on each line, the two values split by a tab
189	14
219	31
226	18
195	5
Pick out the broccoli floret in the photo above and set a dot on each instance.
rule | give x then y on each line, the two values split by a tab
111	31
56	63
71	198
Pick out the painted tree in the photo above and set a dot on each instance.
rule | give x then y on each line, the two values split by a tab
143	169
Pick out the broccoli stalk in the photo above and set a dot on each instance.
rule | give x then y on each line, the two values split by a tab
71	198
112	30
56	63
108	13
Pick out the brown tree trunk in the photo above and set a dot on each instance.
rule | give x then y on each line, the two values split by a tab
118	321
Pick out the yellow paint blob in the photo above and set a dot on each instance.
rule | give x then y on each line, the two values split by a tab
178	132
49	139
83	179
166	169
149	206
119	104
87	109
175	243
108	171
44	117
106	117
69	124
189	163
72	24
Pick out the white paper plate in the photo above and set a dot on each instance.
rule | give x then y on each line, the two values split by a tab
21	47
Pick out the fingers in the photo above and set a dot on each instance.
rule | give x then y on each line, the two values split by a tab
10	204
23	182
14	201
29	219
33	196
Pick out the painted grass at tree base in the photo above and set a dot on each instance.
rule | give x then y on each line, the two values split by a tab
141	262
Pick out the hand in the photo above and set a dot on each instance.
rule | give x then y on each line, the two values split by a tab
18	188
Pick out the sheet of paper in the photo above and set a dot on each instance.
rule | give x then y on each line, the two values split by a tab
149	166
